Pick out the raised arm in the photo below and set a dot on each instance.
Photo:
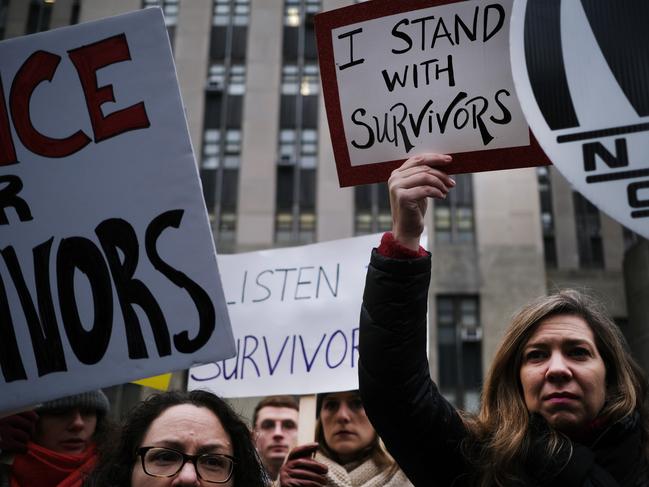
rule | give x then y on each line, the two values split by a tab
420	429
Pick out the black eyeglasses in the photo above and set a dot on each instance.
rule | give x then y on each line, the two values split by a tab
167	462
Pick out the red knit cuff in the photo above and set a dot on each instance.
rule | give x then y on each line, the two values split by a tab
391	248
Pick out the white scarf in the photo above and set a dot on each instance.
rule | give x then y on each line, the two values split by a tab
365	474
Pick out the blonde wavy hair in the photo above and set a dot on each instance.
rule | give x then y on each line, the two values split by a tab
501	426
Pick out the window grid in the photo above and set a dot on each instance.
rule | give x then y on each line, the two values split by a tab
4	8
296	12
454	216
589	235
38	16
459	342
372	209
75	12
295	218
547	216
169	9
305	83
222	135
236	76
212	153
235	12
308	148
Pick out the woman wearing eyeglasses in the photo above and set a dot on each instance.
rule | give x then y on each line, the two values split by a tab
182	439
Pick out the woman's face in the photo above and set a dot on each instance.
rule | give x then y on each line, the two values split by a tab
346	428
562	373
189	429
68	431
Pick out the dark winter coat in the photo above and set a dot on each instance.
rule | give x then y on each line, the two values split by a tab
423	431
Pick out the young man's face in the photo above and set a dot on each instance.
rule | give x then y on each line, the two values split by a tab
275	434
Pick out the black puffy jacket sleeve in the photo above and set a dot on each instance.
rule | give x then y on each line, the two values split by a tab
421	430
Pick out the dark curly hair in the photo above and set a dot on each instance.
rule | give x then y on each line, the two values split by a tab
115	465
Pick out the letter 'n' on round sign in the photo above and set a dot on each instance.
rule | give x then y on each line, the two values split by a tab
581	72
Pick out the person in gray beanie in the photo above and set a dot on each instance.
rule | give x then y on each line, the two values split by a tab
68	424
93	400
62	449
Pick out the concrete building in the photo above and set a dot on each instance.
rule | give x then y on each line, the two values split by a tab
248	74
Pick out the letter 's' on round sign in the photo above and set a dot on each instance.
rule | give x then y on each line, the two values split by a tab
581	72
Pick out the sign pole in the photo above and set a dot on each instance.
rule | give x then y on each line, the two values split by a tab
306	421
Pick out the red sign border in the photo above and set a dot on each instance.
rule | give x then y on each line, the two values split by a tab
348	175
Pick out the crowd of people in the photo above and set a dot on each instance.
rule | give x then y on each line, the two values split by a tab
563	403
57	444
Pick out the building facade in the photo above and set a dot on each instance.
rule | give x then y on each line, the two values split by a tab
248	74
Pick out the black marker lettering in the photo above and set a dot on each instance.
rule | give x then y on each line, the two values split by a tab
352	61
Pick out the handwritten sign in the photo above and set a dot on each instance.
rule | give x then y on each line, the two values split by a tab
581	73
294	315
401	78
107	266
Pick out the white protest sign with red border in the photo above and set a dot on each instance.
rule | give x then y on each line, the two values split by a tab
108	269
401	78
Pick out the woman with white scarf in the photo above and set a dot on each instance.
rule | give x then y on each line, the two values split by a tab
348	452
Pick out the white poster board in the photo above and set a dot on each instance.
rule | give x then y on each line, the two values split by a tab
295	315
400	79
582	76
108	269
421	64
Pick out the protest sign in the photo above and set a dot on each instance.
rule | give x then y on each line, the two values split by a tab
108	270
401	78
582	74
295	314
160	382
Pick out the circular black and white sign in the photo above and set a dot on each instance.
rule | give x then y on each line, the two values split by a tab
581	72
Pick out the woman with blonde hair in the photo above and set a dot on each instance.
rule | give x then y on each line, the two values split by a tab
348	452
563	403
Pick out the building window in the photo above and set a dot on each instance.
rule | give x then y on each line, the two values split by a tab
227	12
4	9
454	215
236	79
589	235
459	343
297	12
372	209
630	238
39	15
305	83
547	216
295	217
75	12
222	134
295	201
170	11
220	173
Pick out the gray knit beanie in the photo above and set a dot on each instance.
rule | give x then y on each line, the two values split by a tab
96	400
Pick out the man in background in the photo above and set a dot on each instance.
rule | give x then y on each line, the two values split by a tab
274	430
